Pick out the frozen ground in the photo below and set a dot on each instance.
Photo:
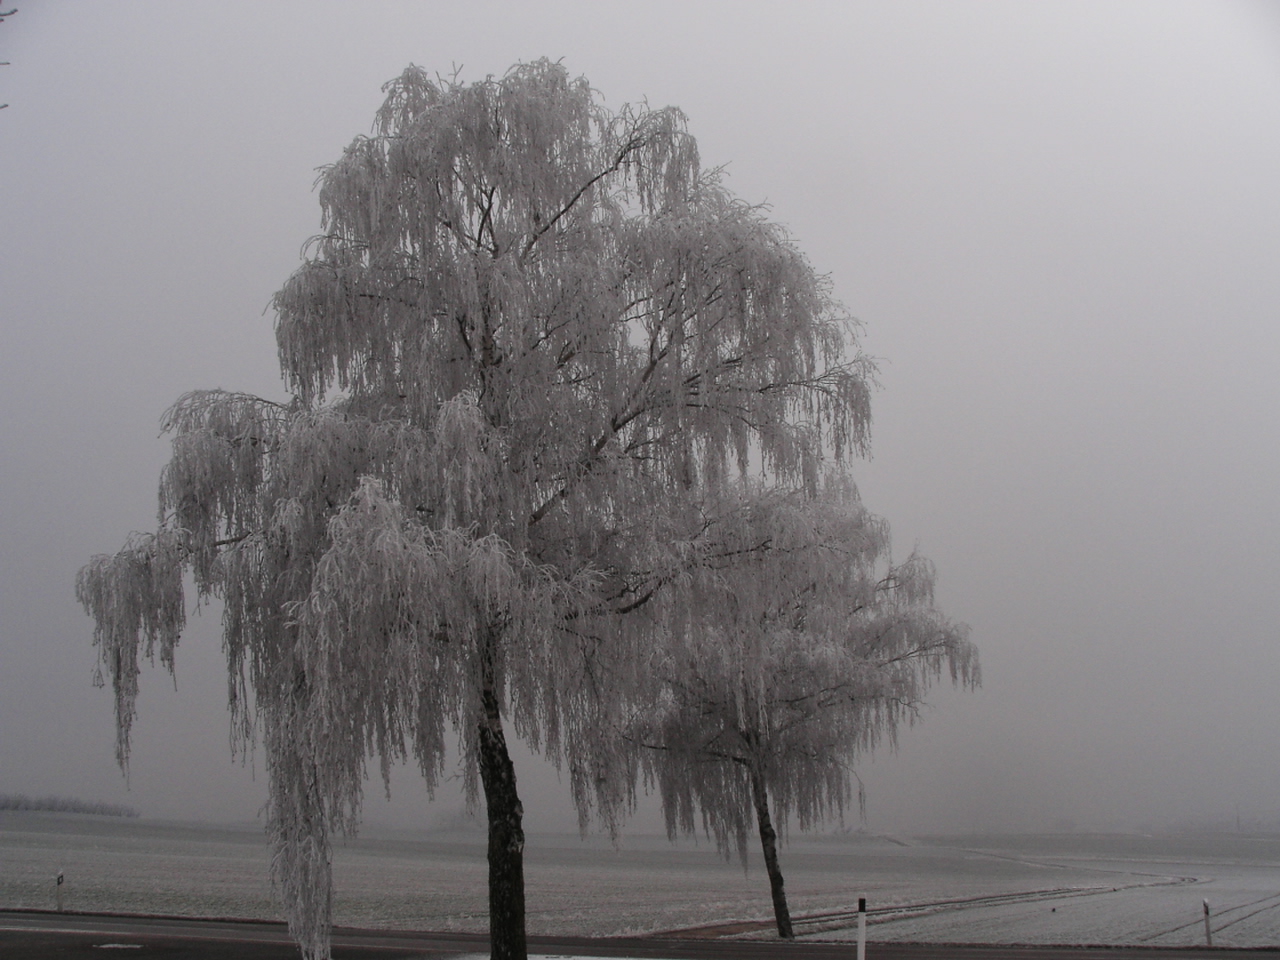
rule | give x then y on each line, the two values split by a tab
1005	889
1098	889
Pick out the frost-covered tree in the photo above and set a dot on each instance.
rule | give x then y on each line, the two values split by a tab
530	339
801	646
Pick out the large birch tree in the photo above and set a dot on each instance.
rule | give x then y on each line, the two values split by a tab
801	647
530	338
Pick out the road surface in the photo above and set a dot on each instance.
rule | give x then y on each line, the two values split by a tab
43	935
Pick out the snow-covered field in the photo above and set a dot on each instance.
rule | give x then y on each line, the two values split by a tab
1103	889
997	889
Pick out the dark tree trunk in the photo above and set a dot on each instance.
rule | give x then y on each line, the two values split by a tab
769	842
506	834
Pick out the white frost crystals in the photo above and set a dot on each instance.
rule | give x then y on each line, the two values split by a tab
532	356
800	646
135	594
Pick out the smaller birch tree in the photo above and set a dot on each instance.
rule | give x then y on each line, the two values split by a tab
801	648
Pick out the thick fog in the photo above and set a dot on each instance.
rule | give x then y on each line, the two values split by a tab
1058	222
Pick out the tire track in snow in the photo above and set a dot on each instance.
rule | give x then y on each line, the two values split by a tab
815	923
807	924
891	914
1199	921
1085	865
829	920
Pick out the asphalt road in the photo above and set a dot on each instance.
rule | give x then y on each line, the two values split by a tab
40	935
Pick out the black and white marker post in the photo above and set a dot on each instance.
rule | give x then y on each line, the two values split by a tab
862	928
1208	934
58	887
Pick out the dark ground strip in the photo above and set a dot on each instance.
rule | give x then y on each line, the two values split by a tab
35	935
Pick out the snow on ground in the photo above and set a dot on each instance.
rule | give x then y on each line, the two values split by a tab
1109	890
133	866
1045	889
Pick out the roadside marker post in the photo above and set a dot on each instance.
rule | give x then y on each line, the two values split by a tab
862	928
58	887
1208	934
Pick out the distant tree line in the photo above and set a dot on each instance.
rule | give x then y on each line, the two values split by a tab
20	801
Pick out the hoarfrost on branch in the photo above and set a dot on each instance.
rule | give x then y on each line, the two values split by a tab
533	345
798	647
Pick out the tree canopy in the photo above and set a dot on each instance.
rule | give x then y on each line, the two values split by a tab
802	646
531	343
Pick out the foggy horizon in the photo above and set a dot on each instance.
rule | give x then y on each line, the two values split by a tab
1057	224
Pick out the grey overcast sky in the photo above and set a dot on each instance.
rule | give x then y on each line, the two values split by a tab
1059	223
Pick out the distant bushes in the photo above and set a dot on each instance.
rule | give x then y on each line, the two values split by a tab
18	801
